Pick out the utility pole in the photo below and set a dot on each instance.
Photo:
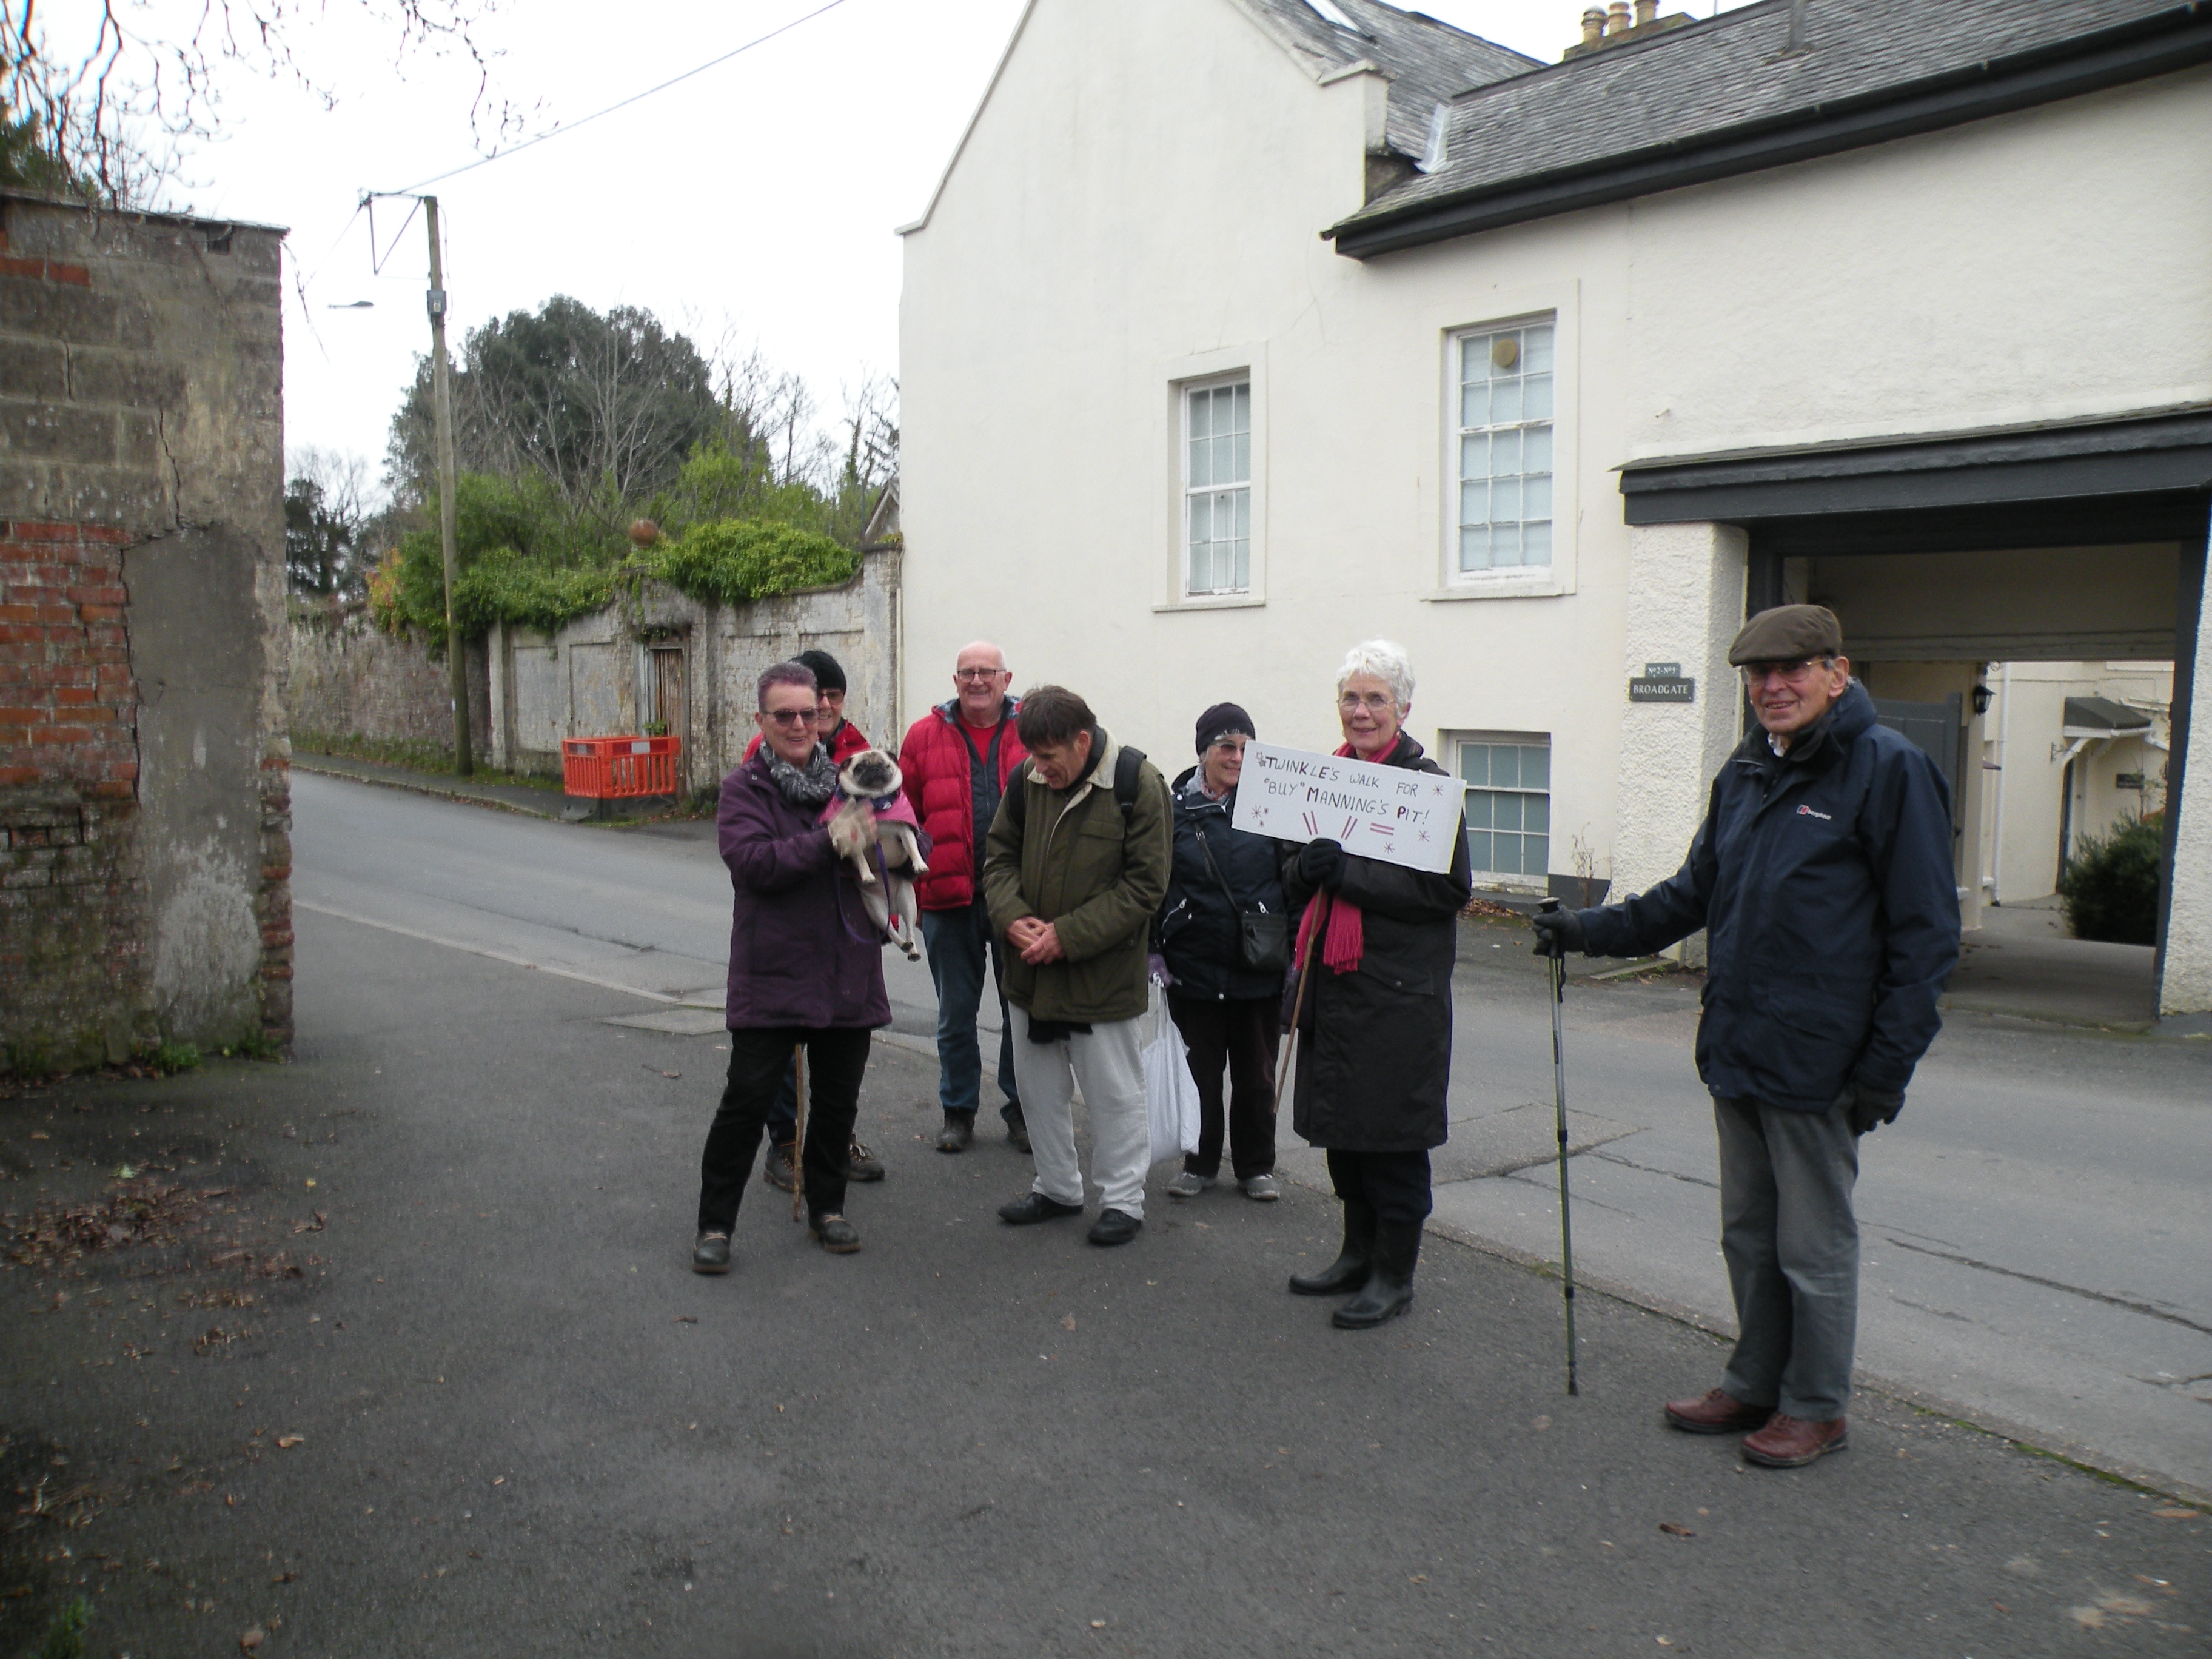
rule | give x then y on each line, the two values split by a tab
441	398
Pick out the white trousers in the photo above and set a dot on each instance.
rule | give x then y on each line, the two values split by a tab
1107	1064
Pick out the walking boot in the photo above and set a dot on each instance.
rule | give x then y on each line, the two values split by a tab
960	1131
1349	1271
1018	1133
1389	1289
779	1168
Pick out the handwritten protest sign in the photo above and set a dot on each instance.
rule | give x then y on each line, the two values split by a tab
1377	811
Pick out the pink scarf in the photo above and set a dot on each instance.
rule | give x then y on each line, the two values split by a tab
1345	941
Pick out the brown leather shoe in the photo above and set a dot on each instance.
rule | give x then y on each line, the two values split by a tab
1718	1411
1791	1442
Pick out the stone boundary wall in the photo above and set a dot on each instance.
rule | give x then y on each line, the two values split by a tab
351	679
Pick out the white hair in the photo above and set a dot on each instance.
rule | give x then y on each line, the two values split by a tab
1387	662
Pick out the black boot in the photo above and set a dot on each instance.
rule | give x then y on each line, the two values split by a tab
1389	1289
1349	1271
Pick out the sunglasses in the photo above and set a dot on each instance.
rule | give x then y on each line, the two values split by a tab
790	716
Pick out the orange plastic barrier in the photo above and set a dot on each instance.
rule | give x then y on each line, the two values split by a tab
614	768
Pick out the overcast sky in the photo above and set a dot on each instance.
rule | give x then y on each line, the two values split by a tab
756	198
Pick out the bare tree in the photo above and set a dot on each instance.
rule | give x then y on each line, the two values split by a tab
109	112
328	521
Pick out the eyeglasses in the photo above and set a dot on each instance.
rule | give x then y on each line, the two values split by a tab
977	674
792	716
1375	702
1756	674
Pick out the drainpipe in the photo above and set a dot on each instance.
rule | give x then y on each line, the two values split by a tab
1997	826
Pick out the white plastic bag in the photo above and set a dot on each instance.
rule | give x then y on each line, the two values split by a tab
1170	1093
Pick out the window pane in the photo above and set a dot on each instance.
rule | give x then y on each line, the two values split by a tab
1201	406
1243	411
1479	815
1475	550
1200	472
1479	854
1536	398
1536	542
1536	449
1474	456
1536	350
1505	500
1535	855
1243	500
1224	459
1474	762
1536	812
1474	503
1504	766
1504	546
1505	454
1474	405
1536	766
1504	400
1242	459
1536	497
1474	360
1240	575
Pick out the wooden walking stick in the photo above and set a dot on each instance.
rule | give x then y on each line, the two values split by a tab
799	1133
1307	934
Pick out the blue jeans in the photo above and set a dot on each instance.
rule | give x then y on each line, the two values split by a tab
783	1115
956	941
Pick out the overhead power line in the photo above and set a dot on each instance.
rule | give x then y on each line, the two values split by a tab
501	155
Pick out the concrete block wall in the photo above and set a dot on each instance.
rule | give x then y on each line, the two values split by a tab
145	808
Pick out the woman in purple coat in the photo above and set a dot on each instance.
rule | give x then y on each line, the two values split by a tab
805	967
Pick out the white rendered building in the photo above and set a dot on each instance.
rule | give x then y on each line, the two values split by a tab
1239	331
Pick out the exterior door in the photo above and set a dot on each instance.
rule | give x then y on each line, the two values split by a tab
669	708
1940	731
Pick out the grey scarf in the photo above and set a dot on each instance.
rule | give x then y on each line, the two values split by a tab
811	788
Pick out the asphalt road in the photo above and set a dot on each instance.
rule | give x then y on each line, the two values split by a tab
524	1428
2036	1224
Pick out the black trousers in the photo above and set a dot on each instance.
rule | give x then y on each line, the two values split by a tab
1243	1033
1394	1185
835	1061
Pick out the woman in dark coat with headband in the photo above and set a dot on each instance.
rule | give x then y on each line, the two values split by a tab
1225	885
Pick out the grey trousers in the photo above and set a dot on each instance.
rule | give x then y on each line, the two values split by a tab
1791	1243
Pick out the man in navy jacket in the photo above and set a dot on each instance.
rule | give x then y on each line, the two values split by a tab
1823	876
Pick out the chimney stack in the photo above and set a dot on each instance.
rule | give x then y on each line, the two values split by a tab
1594	26
1616	18
1645	11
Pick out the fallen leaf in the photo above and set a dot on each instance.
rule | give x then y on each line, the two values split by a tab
1067	1321
313	1226
286	1442
2088	1617
252	1639
1098	1624
1677	1531
687	1319
2175	1515
283	1577
1419	1578
2132	1606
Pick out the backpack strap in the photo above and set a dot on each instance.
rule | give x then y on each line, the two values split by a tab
1127	762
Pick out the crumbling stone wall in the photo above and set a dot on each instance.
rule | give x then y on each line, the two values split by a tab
145	811
352	680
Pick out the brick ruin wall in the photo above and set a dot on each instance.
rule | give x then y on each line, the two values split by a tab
145	854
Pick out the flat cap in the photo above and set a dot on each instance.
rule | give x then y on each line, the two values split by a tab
1787	633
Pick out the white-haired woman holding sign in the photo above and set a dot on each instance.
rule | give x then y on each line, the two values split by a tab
1373	982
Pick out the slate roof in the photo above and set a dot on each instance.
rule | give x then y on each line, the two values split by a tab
2103	715
1698	84
1428	62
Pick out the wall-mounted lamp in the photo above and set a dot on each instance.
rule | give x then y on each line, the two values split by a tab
1982	697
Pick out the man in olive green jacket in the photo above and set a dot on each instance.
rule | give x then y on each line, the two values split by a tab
1074	868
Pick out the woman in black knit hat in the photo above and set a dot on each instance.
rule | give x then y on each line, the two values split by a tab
1227	1004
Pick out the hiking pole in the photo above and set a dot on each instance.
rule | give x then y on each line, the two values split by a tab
1558	961
798	1131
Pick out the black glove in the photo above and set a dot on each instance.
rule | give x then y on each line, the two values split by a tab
1320	864
1558	932
1869	1108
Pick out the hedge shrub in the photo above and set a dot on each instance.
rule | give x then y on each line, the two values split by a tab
2111	885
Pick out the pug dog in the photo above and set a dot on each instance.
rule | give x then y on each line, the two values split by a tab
870	786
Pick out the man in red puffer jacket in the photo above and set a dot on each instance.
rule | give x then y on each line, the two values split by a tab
957	759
